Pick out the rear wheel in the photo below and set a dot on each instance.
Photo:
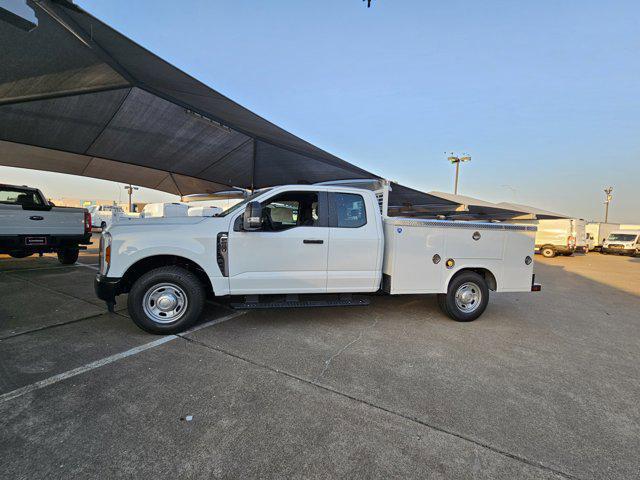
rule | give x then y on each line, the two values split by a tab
166	300
466	298
68	256
548	252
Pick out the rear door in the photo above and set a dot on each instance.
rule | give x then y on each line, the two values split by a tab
355	244
289	254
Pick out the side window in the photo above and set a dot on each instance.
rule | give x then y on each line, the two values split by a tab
350	210
291	209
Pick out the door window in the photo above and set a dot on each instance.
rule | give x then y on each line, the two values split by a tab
350	211
289	210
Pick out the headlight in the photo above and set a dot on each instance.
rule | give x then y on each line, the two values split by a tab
105	252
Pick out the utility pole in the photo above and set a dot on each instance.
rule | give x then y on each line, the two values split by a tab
607	192
457	161
129	188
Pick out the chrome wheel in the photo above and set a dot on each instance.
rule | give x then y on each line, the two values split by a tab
468	297
165	303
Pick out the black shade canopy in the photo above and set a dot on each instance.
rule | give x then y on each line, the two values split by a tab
78	97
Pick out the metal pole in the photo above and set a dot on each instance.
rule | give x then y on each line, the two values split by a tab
608	198
455	188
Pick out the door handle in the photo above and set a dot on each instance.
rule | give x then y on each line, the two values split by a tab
36	217
313	241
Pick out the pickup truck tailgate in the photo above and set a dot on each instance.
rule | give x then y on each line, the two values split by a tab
15	220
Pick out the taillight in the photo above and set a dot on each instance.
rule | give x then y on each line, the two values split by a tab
87	222
105	253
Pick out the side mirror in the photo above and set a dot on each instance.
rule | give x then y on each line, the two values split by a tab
252	217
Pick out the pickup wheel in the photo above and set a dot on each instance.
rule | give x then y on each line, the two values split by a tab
548	252
466	298
166	300
68	256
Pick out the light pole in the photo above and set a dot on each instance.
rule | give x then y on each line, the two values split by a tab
607	192
457	160
129	188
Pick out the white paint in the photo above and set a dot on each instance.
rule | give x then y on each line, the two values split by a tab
107	360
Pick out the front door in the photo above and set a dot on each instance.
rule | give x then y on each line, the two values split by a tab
289	253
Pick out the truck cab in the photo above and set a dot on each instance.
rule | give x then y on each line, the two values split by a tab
622	242
300	240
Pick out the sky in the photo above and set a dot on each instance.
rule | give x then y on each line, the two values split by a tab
543	95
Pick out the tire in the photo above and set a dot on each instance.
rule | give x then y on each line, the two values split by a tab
20	254
548	252
180	290
68	256
452	304
103	225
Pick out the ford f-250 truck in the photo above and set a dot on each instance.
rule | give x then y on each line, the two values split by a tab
30	224
308	239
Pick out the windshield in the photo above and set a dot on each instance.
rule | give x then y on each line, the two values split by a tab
622	237
240	205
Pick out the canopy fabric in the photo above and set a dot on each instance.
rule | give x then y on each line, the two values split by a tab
539	213
476	208
78	97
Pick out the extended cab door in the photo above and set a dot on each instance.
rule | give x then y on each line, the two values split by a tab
289	253
355	243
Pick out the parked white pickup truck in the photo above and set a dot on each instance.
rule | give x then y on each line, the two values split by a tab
30	224
308	239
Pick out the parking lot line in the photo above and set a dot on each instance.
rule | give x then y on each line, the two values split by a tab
91	266
110	359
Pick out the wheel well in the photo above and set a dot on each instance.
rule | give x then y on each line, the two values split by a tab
547	246
483	272
145	265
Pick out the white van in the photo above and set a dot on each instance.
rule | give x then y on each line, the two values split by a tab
558	236
623	242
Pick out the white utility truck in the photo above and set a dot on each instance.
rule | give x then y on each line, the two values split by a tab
622	242
104	215
30	224
597	233
308	239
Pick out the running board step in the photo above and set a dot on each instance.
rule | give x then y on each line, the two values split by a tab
291	301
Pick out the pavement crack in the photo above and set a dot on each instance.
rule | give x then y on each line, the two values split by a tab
410	418
327	362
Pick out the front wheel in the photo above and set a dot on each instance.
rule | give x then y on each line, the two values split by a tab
68	256
466	298
166	300
548	252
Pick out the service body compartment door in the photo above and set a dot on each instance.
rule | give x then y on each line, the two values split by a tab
414	258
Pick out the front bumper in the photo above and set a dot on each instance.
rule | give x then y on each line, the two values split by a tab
620	251
107	288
